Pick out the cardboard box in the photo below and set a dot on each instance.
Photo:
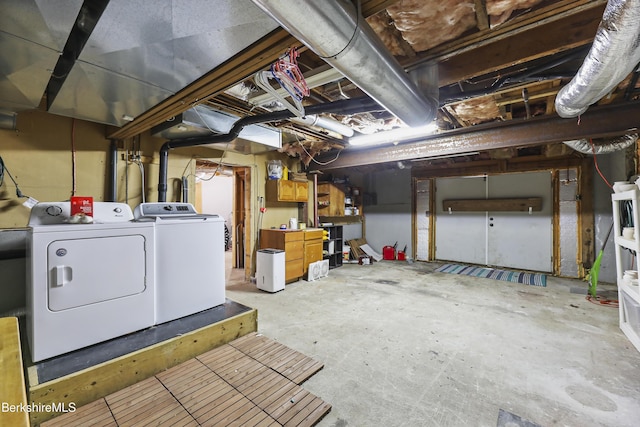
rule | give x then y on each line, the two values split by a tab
82	205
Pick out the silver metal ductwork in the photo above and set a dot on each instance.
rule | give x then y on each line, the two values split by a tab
615	144
337	33
614	54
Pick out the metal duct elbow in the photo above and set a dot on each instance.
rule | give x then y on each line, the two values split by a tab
337	33
615	144
613	55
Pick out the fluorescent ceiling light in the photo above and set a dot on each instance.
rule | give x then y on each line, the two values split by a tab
395	135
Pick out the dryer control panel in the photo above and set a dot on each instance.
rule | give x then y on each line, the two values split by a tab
49	213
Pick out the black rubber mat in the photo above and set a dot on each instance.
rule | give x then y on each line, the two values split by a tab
78	360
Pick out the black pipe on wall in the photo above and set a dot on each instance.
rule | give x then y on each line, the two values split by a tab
113	172
347	106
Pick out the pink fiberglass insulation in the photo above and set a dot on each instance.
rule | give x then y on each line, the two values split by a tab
425	24
500	10
390	36
477	111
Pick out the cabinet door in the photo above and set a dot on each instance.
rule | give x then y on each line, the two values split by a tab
312	252
286	190
302	191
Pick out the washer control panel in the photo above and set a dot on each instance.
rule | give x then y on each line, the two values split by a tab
164	209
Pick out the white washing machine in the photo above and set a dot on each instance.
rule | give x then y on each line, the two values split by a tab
87	283
190	275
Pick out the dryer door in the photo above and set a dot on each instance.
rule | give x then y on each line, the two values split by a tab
92	270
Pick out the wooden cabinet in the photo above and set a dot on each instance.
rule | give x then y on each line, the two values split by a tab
284	190
330	200
312	247
292	243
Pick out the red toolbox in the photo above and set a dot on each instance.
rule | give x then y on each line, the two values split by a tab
389	253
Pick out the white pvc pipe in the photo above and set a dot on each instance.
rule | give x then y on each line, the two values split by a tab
324	123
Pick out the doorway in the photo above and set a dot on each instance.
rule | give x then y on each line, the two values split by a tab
225	190
521	240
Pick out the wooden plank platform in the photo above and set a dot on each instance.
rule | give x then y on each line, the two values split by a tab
291	364
12	386
87	385
225	386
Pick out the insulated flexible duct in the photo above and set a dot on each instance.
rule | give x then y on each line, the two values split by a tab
337	33
615	144
613	55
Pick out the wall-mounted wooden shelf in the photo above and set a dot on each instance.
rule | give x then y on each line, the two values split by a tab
528	204
341	219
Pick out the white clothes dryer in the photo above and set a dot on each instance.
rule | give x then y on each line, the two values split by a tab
190	271
87	283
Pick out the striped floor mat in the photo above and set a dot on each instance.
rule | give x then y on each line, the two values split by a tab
534	279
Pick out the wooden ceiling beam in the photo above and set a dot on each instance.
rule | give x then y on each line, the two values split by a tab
481	14
597	122
535	42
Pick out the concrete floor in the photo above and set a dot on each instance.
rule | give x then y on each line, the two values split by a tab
404	346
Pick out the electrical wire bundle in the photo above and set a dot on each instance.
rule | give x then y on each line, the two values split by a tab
286	72
4	169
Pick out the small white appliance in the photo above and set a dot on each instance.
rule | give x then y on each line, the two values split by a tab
270	270
86	283
190	275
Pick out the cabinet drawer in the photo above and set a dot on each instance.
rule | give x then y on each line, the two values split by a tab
294	250
293	236
313	234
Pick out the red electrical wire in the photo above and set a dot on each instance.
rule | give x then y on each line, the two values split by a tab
595	162
602	301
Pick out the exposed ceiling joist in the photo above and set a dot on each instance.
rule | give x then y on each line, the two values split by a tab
533	43
253	59
595	123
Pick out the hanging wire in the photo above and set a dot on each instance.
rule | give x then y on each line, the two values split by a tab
227	145
4	169
314	160
353	36
595	162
